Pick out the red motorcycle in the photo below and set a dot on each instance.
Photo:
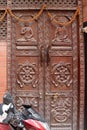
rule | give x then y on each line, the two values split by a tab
28	125
27	119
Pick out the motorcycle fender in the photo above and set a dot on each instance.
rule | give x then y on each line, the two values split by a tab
30	123
5	127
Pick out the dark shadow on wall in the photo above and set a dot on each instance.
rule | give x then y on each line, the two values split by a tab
85	45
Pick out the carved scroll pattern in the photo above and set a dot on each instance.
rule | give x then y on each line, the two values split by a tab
61	110
26	100
27	74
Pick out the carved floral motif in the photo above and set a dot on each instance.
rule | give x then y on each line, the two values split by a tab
61	75
26	74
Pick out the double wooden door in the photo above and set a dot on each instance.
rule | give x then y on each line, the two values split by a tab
45	67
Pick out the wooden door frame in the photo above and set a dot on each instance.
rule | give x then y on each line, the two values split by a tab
85	108
81	60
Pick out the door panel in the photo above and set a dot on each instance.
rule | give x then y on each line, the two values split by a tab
61	73
27	61
45	67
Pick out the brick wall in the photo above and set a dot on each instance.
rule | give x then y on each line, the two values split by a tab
3	80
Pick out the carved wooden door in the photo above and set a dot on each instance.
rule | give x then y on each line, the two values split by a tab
45	67
61	72
27	49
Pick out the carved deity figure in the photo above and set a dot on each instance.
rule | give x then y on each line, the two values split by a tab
61	35
27	34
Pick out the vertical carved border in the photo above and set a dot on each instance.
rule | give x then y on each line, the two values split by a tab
13	58
41	70
9	48
47	69
75	75
82	71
